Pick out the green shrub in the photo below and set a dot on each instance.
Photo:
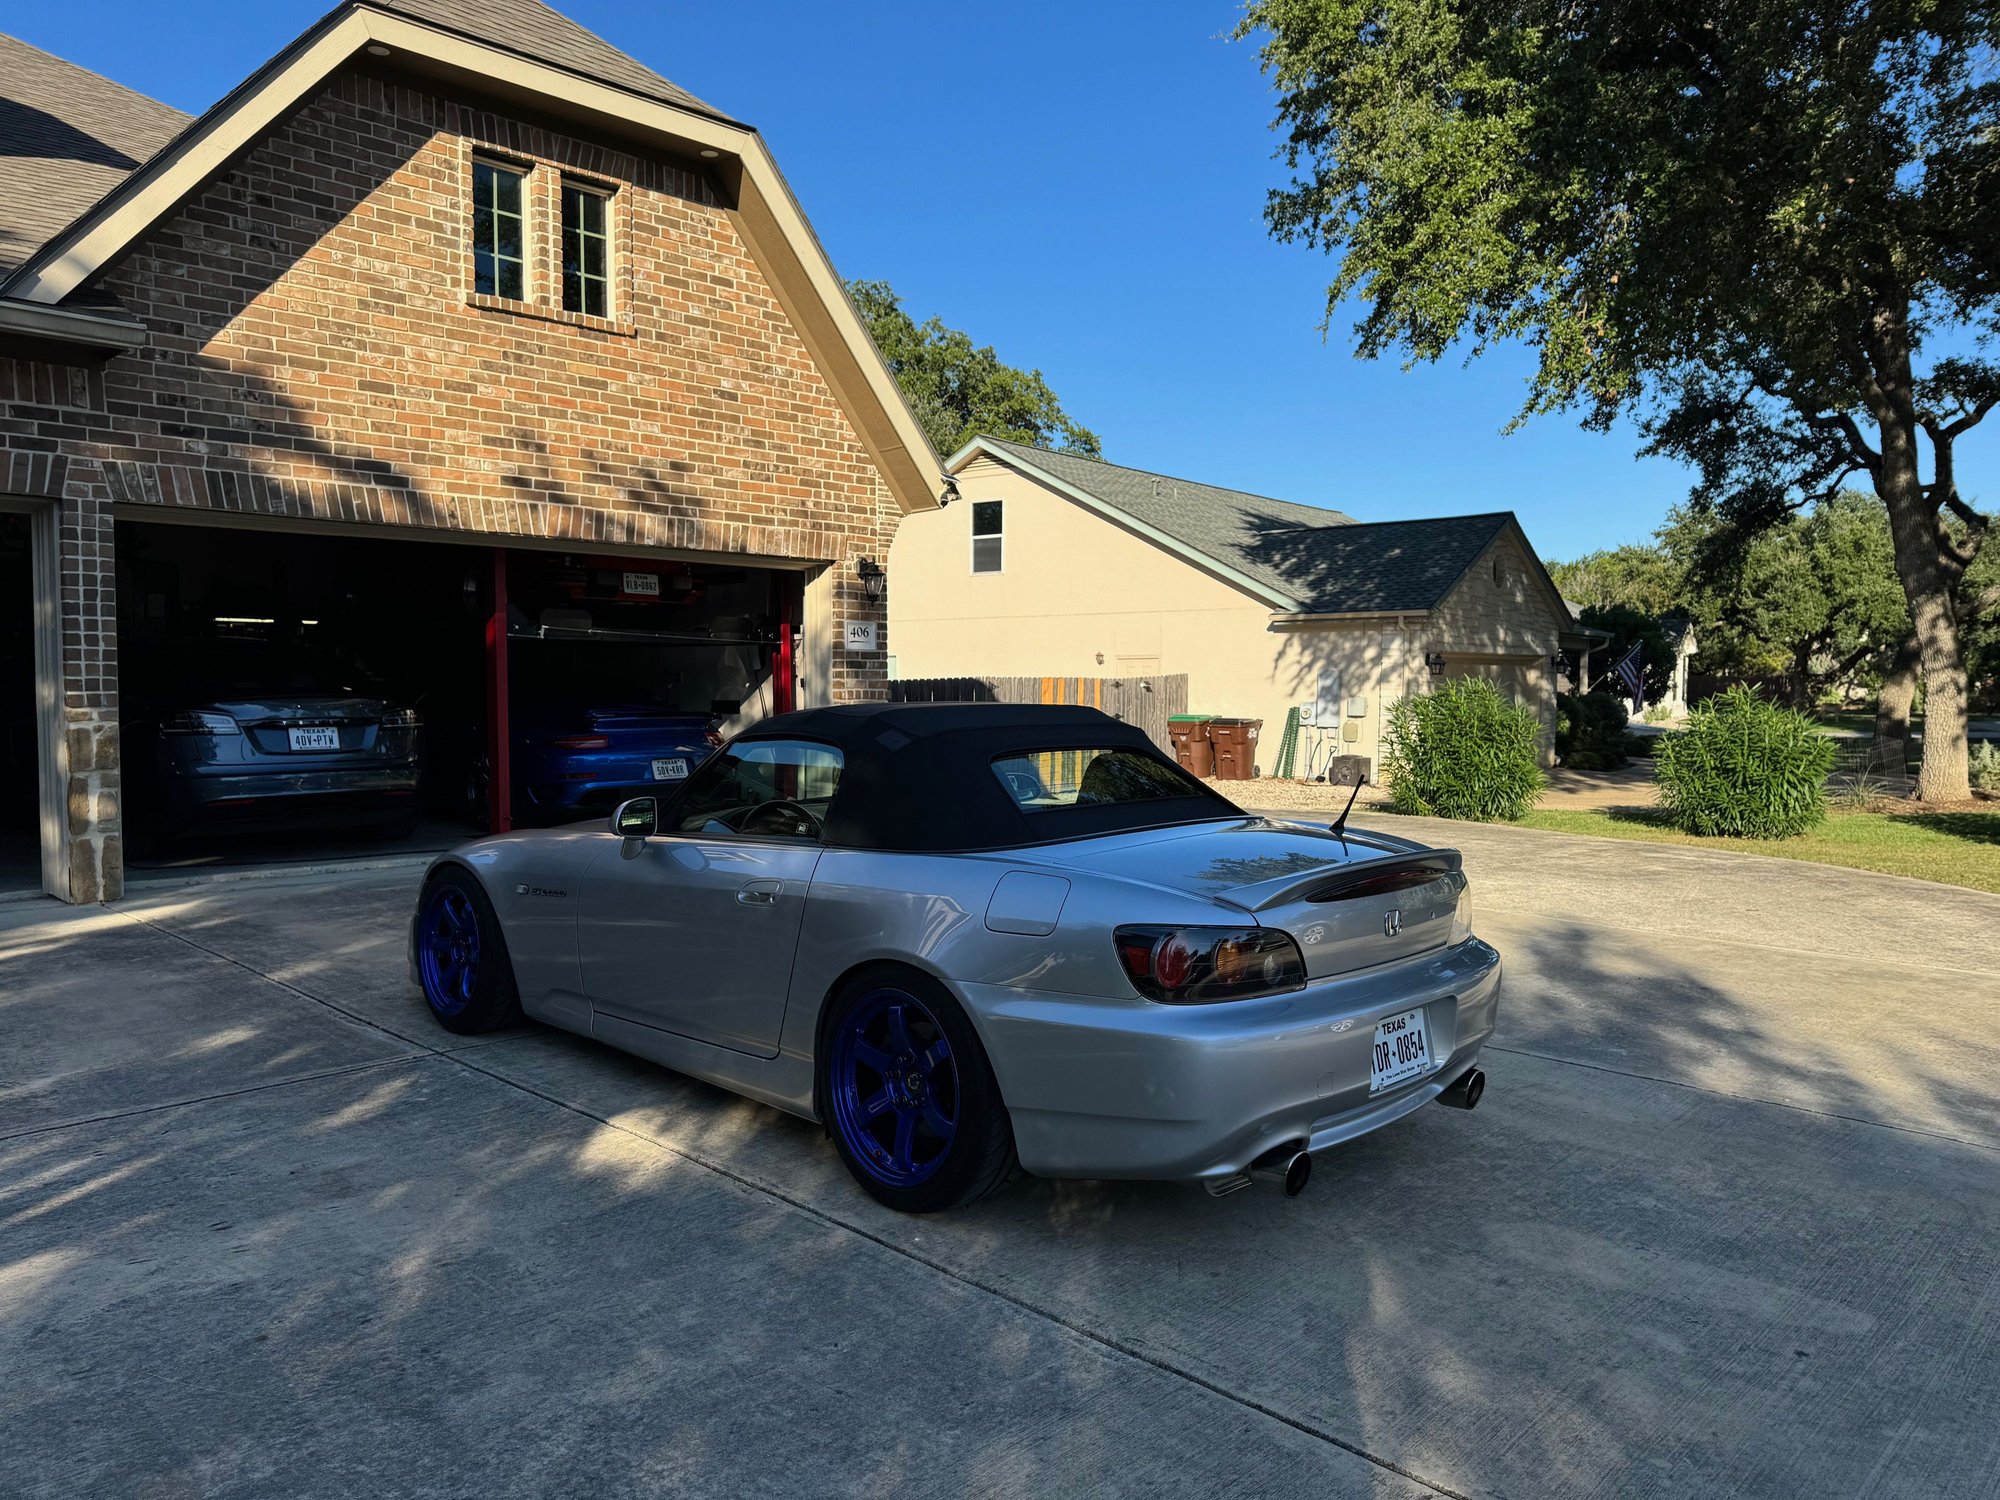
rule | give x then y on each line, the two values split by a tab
1644	745
1744	768
1985	766
1463	751
1590	731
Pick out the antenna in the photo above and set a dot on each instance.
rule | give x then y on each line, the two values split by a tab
1339	828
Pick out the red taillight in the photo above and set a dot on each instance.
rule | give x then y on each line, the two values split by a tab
1191	965
582	742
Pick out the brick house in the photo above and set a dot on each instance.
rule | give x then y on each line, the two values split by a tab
440	271
1069	566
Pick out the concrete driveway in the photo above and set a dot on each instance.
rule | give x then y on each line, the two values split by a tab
1727	1224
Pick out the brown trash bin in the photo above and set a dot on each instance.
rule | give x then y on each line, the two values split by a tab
1235	742
1189	736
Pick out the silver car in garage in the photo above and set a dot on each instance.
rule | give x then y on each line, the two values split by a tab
974	937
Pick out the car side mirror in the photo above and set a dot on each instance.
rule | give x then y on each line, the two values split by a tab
637	818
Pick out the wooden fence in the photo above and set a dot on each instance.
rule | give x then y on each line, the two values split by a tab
1144	701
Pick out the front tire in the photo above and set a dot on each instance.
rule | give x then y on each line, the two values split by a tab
462	960
909	1097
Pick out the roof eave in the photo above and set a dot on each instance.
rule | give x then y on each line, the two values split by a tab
1207	562
38	328
766	214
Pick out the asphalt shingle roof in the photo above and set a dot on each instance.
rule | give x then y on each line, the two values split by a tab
1326	561
534	30
67	137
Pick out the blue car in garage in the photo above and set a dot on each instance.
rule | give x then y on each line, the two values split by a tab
577	755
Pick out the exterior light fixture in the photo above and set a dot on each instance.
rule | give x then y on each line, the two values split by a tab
376	49
874	578
1434	663
1559	664
710	152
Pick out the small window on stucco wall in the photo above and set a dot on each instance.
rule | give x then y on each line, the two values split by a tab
986	541
499	230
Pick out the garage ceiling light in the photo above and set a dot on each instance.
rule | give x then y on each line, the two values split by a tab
246	620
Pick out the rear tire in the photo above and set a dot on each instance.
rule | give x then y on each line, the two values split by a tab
909	1097
462	962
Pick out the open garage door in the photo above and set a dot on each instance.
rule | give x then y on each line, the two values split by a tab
20	729
291	695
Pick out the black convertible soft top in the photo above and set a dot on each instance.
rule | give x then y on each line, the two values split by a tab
919	776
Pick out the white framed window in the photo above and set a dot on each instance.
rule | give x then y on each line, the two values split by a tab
586	249
986	536
499	230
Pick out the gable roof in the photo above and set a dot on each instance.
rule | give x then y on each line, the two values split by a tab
531	29
1300	559
522	52
67	137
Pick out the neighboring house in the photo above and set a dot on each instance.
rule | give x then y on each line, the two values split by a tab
1680	636
445	271
1054	564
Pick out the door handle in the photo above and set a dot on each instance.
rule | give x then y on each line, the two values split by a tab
760	892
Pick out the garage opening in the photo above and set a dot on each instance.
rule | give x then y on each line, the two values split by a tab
290	696
20	732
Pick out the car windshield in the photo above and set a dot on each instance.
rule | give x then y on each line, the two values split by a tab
1043	780
760	786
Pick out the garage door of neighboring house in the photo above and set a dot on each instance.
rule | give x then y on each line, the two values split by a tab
1516	681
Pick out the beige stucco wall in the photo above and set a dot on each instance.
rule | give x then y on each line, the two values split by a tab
1078	595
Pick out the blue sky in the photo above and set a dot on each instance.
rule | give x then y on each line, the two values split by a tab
1080	185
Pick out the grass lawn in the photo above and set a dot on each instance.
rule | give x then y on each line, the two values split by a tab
1957	848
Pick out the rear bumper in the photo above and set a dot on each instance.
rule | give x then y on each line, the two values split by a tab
288	797
1116	1088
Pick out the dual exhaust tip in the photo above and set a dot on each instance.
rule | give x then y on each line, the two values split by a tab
1288	1168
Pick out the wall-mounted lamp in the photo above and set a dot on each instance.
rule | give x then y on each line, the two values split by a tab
1434	663
1559	664
874	578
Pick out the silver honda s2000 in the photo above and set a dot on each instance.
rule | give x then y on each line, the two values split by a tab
967	937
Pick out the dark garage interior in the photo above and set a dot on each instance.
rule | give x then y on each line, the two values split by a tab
289	695
20	793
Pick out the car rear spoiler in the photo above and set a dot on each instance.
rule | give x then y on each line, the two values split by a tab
1370	877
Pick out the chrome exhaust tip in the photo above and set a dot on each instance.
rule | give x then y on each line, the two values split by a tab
1465	1094
1284	1168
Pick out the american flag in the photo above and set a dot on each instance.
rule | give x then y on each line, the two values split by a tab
1631	671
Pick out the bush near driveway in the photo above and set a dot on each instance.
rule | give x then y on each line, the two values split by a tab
1744	768
1590	731
1463	751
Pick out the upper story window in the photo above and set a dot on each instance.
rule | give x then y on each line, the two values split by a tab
586	250
499	261
986	539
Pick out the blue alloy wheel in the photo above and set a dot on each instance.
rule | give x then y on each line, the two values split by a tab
895	1087
448	949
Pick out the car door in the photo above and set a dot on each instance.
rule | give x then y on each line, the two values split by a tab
694	929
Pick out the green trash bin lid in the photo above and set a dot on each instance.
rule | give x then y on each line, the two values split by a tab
1189	718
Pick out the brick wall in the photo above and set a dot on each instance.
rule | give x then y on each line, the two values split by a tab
317	351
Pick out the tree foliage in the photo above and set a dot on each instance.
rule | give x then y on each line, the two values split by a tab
959	390
1767	229
1640	576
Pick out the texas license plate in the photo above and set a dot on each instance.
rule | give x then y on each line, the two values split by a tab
314	739
670	770
1402	1051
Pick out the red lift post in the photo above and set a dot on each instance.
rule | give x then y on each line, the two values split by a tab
499	738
